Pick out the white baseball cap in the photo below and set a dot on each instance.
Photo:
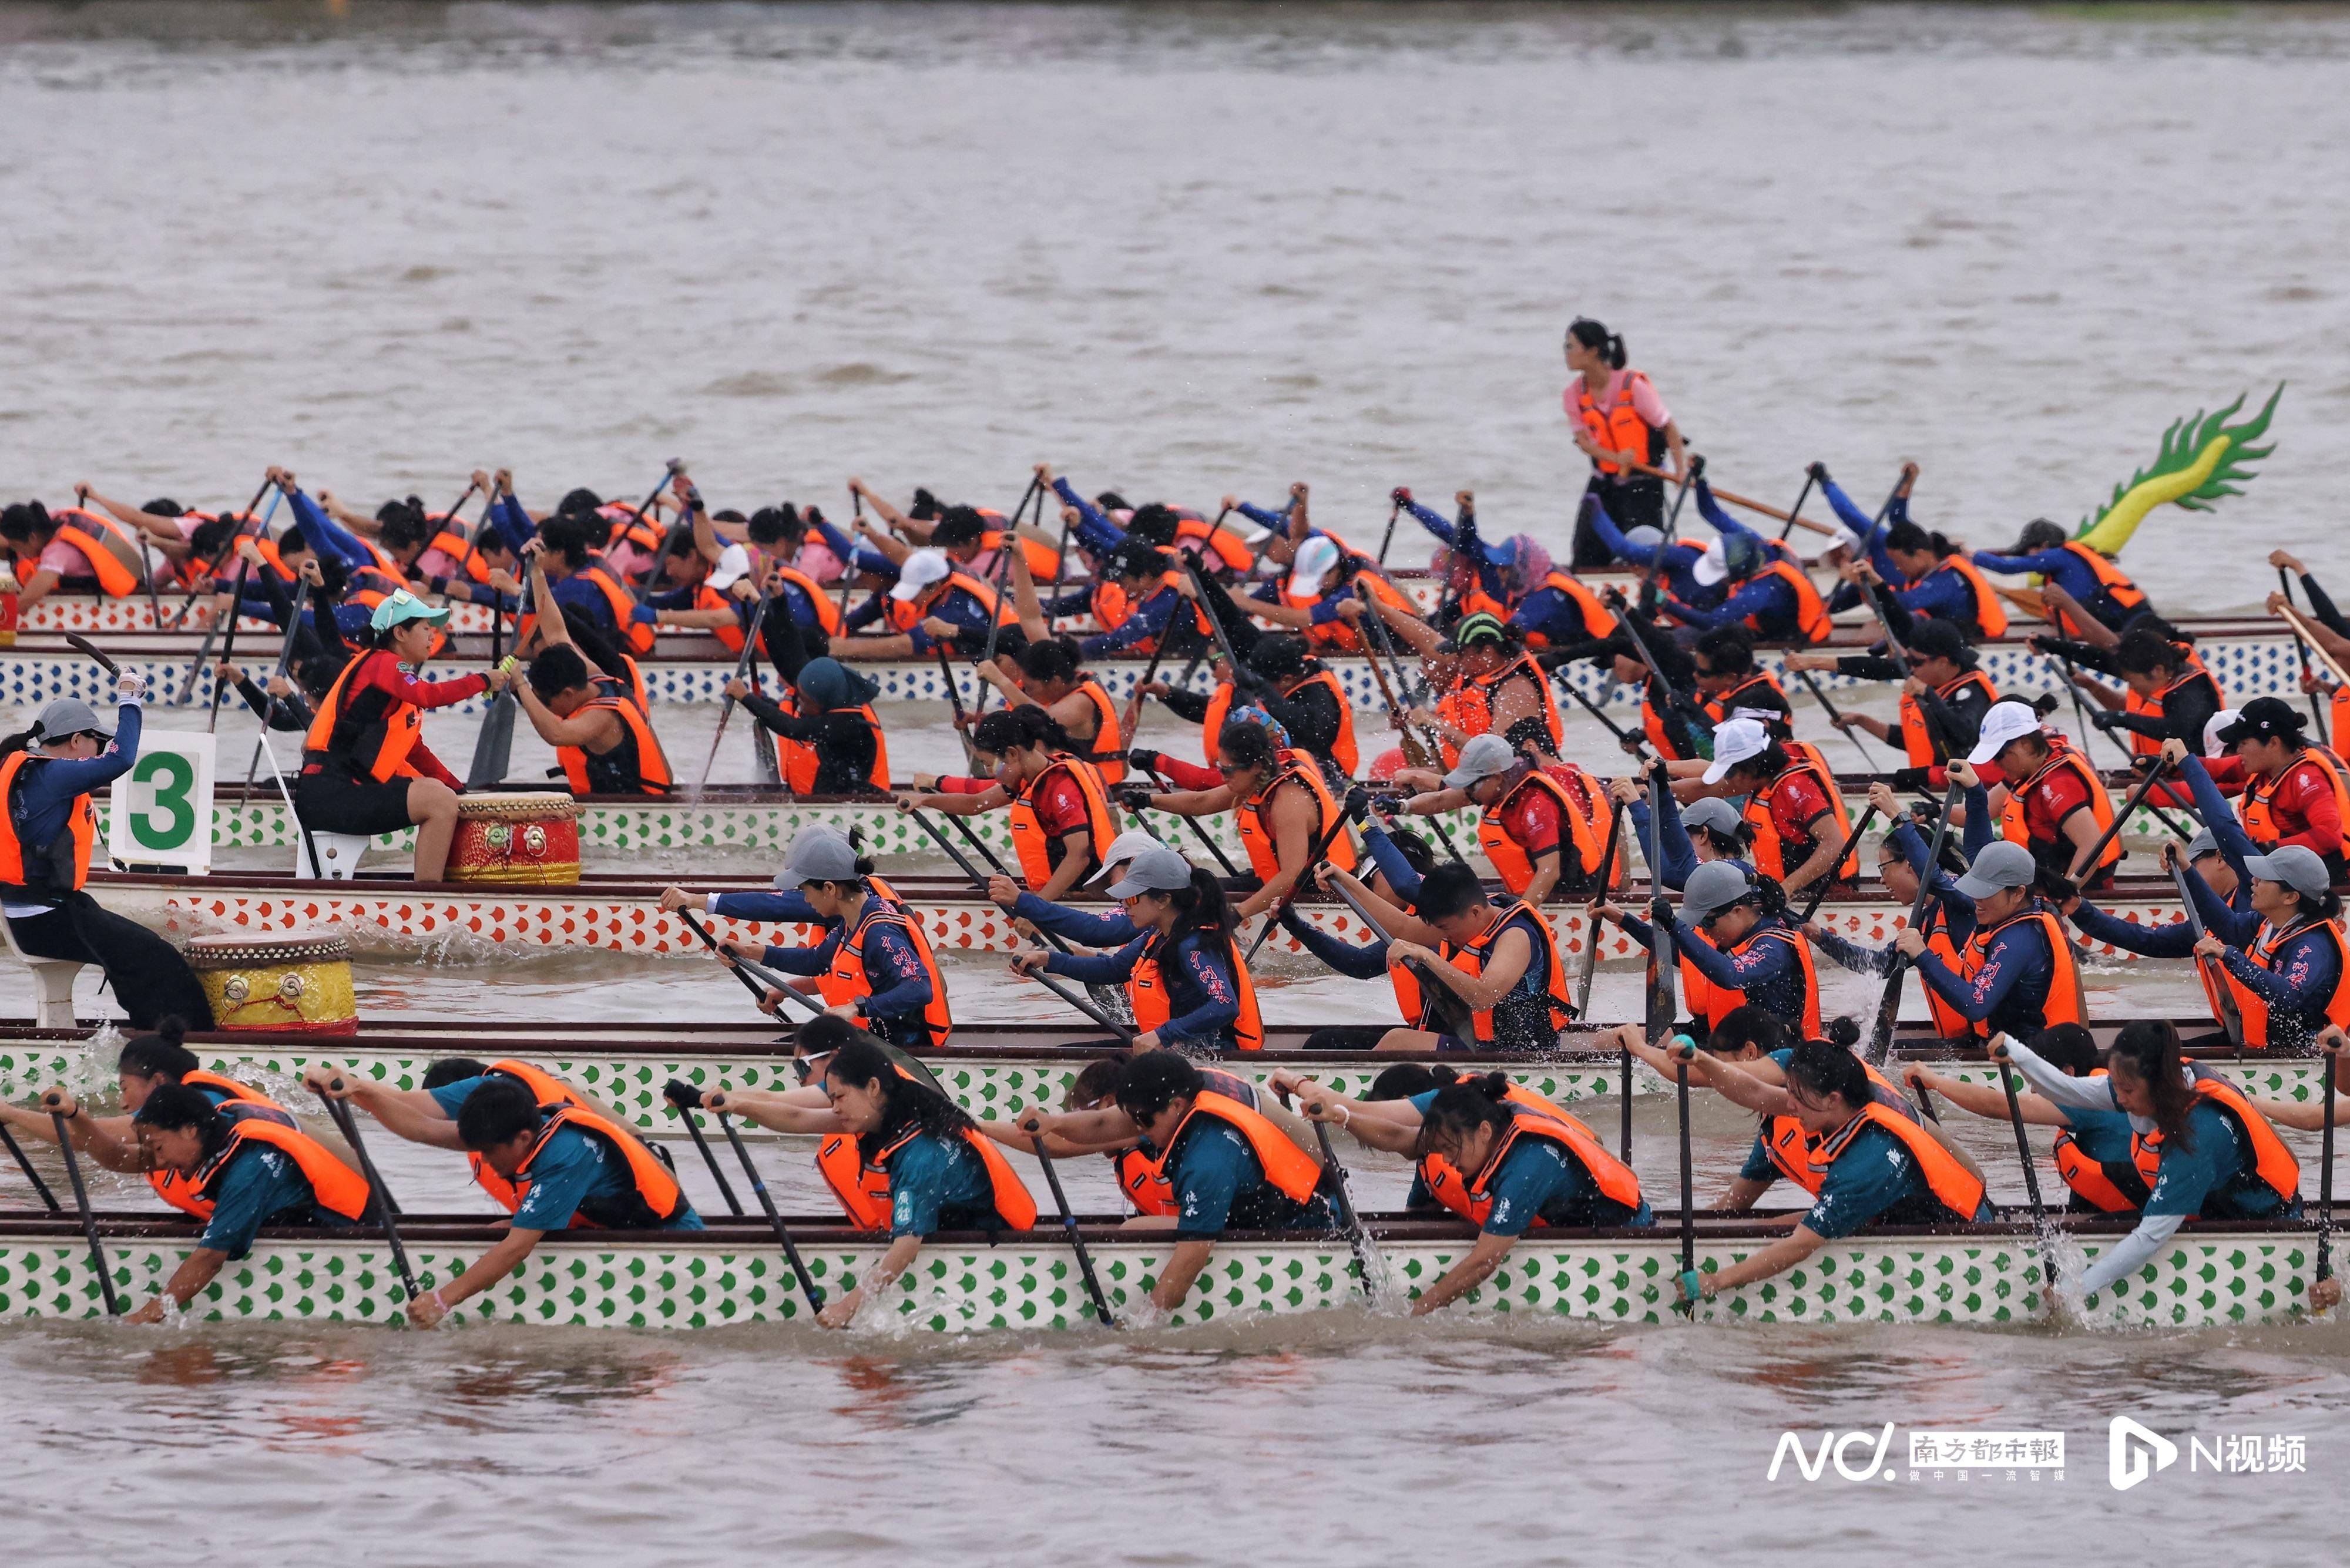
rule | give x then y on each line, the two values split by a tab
1315	557
2213	746
2005	723
734	565
920	570
1712	567
1733	744
1124	849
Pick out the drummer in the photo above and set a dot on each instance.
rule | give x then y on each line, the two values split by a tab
1517	1169
365	767
603	740
912	1161
1875	1165
1061	820
1225	1165
254	1170
874	966
1183	973
47	832
2200	1146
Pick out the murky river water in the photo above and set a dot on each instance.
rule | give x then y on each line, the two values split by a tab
1181	249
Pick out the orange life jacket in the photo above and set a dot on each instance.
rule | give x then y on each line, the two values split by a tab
334	1186
1106	736
1211	725
2111	1188
1918	737
2263	951
453	544
1988	615
1113	607
1043	560
657	1189
827	614
1619	426
846	982
550	1093
1443	1178
81	826
1293	1173
1712	1004
1472	957
2125	594
2273	1163
1342	750
1337	634
1597	619
1719	708
1811	610
1955	1186
1510	859
2146	745
1040	852
2259	811
635	636
1794	1153
905	615
1256	831
1222	543
1614	1178
1771	857
651	774
116	557
1652	724
2066	1002
1468	707
180	1190
799	761
2015	826
1146	991
380	751
1950	1024
863	1188
1143	1179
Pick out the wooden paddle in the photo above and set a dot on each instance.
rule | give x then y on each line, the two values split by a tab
81	1207
684	1099
750	974
1888	1007
385	1208
1078	1241
1737	499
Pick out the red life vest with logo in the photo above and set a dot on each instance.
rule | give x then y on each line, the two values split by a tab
1577	836
2257	805
1040	852
2016	825
1772	855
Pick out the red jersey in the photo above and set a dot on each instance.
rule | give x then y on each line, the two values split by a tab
1796	804
2060	792
1530	818
2302	809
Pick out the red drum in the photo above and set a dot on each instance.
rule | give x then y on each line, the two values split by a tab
516	840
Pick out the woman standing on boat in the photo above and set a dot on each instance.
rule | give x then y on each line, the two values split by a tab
1182	973
1061	822
1618	419
365	766
2202	1148
1874	1165
898	1153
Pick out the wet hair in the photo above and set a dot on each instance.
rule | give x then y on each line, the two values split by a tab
579	501
1823	1067
1747	1025
2068	1047
905	1102
1055	658
1460	1108
1025	727
1418	852
2149	1048
557	669
164	506
573	535
1111	501
826	1033
1153	522
1592	335
1098	1081
926	505
2142	650
1449	890
1729	648
1204	910
209	539
451	1070
774	524
1245	745
181	1106
496	1112
20	522
1907	535
162	1052
2040	535
1277	656
1405	1079
1155	1080
961	525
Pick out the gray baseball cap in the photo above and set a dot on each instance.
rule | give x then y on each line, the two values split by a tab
70	716
1716	885
1483	757
1645	536
2295	866
1713	813
2000	865
2202	843
1125	848
817	854
1157	869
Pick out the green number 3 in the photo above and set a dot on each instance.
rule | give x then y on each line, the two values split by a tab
173	776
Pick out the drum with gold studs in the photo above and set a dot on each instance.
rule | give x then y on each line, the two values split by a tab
292	982
516	840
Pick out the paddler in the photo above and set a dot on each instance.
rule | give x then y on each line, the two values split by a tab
2286	959
365	766
2295	792
1282	679
1182	972
1501	961
1768	593
1931	577
1052	677
1732	686
830	740
2017	971
2200	1147
1225	1165
2166	693
930	603
48	775
1319	599
1794	801
1477	576
1536	825
1944	697
2095	1153
2085	576
1618	419
1874	1165
2051	800
1283	805
1707	828
1061	820
76	551
254	1170
900	1154
602	738
874	966
1515	1167
189	541
1736	945
1497	687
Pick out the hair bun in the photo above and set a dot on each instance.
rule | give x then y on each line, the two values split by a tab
172	1029
1494	1087
1844	1032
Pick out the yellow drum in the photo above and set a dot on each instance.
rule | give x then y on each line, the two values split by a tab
516	840
294	983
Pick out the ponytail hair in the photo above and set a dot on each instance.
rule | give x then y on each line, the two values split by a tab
163	1052
1747	1024
1053	658
2150	1047
1597	339
1405	1079
1823	1067
1460	1108
905	1102
1202	910
1024	728
1769	896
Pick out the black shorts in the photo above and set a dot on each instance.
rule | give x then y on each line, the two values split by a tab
330	802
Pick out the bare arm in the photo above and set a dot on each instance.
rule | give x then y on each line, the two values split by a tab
776	1112
1465	1275
1175	1279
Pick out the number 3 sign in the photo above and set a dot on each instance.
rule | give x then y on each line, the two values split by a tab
161	813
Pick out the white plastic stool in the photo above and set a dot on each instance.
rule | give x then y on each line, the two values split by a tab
340	851
53	984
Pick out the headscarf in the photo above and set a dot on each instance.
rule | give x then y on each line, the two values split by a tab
826	683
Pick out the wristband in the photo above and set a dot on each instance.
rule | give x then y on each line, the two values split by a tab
439	1300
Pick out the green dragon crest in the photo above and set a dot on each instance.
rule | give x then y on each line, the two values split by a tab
2201	459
